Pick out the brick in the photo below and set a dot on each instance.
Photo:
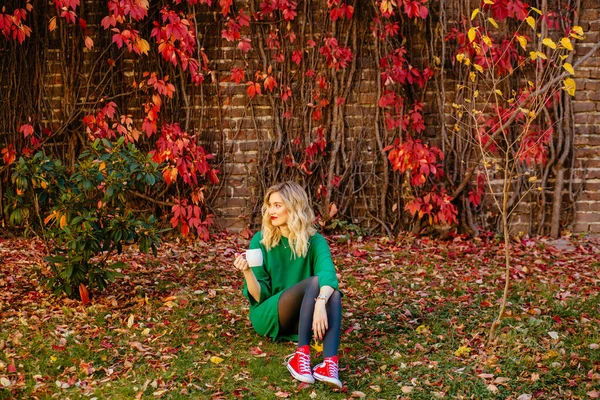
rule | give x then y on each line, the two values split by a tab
581	95
595	95
587	206
232	224
584	153
367	98
236	202
248	146
590	196
587	217
583	106
242	169
587	140
584	118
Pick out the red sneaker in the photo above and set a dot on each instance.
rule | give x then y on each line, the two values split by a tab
327	372
299	365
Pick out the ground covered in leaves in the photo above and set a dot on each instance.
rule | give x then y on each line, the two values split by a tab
416	318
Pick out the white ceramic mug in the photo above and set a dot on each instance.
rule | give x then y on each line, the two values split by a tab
254	257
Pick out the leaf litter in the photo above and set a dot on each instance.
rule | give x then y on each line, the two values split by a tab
416	312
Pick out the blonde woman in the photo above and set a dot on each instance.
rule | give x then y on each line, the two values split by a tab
294	295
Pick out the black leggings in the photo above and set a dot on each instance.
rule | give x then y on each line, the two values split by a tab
296	307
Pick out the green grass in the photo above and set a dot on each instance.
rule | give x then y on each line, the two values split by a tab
177	328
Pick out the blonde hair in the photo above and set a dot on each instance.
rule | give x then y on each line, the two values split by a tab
299	222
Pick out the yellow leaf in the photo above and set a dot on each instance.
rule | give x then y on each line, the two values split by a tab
570	86
63	220
460	57
386	7
472	34
576	32
53	358
422	330
472	76
551	354
541	55
216	360
498	92
569	68
566	43
318	346
102	166
522	41
478	67
142	45
486	39
474	13
476	94
530	21
493	22
533	55
536	10
488	1
549	42
462	350
563	57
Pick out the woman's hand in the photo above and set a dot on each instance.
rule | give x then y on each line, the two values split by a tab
320	324
240	263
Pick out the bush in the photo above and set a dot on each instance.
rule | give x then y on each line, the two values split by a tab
83	215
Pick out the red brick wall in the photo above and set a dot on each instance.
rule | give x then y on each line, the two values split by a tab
240	133
586	107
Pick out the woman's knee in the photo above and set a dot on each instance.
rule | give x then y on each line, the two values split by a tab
336	296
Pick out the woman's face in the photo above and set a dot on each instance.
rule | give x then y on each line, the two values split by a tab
277	210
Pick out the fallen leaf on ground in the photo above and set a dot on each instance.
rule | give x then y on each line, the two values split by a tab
216	360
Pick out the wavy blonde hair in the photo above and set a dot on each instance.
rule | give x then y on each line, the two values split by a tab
299	222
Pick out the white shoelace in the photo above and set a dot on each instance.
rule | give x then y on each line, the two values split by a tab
333	369
303	362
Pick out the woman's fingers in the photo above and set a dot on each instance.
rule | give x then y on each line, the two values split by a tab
240	263
320	326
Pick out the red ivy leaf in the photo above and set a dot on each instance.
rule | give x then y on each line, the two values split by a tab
253	89
297	56
225	6
26	129
237	75
270	83
244	45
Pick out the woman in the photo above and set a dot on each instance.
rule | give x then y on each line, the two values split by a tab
294	295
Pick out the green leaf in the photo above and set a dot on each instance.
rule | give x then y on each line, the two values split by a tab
55	259
69	270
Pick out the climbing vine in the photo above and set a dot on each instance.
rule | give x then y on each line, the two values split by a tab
163	75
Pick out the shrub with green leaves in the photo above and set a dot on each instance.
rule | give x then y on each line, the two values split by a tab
84	215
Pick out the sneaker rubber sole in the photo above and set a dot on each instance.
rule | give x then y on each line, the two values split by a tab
301	378
330	381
